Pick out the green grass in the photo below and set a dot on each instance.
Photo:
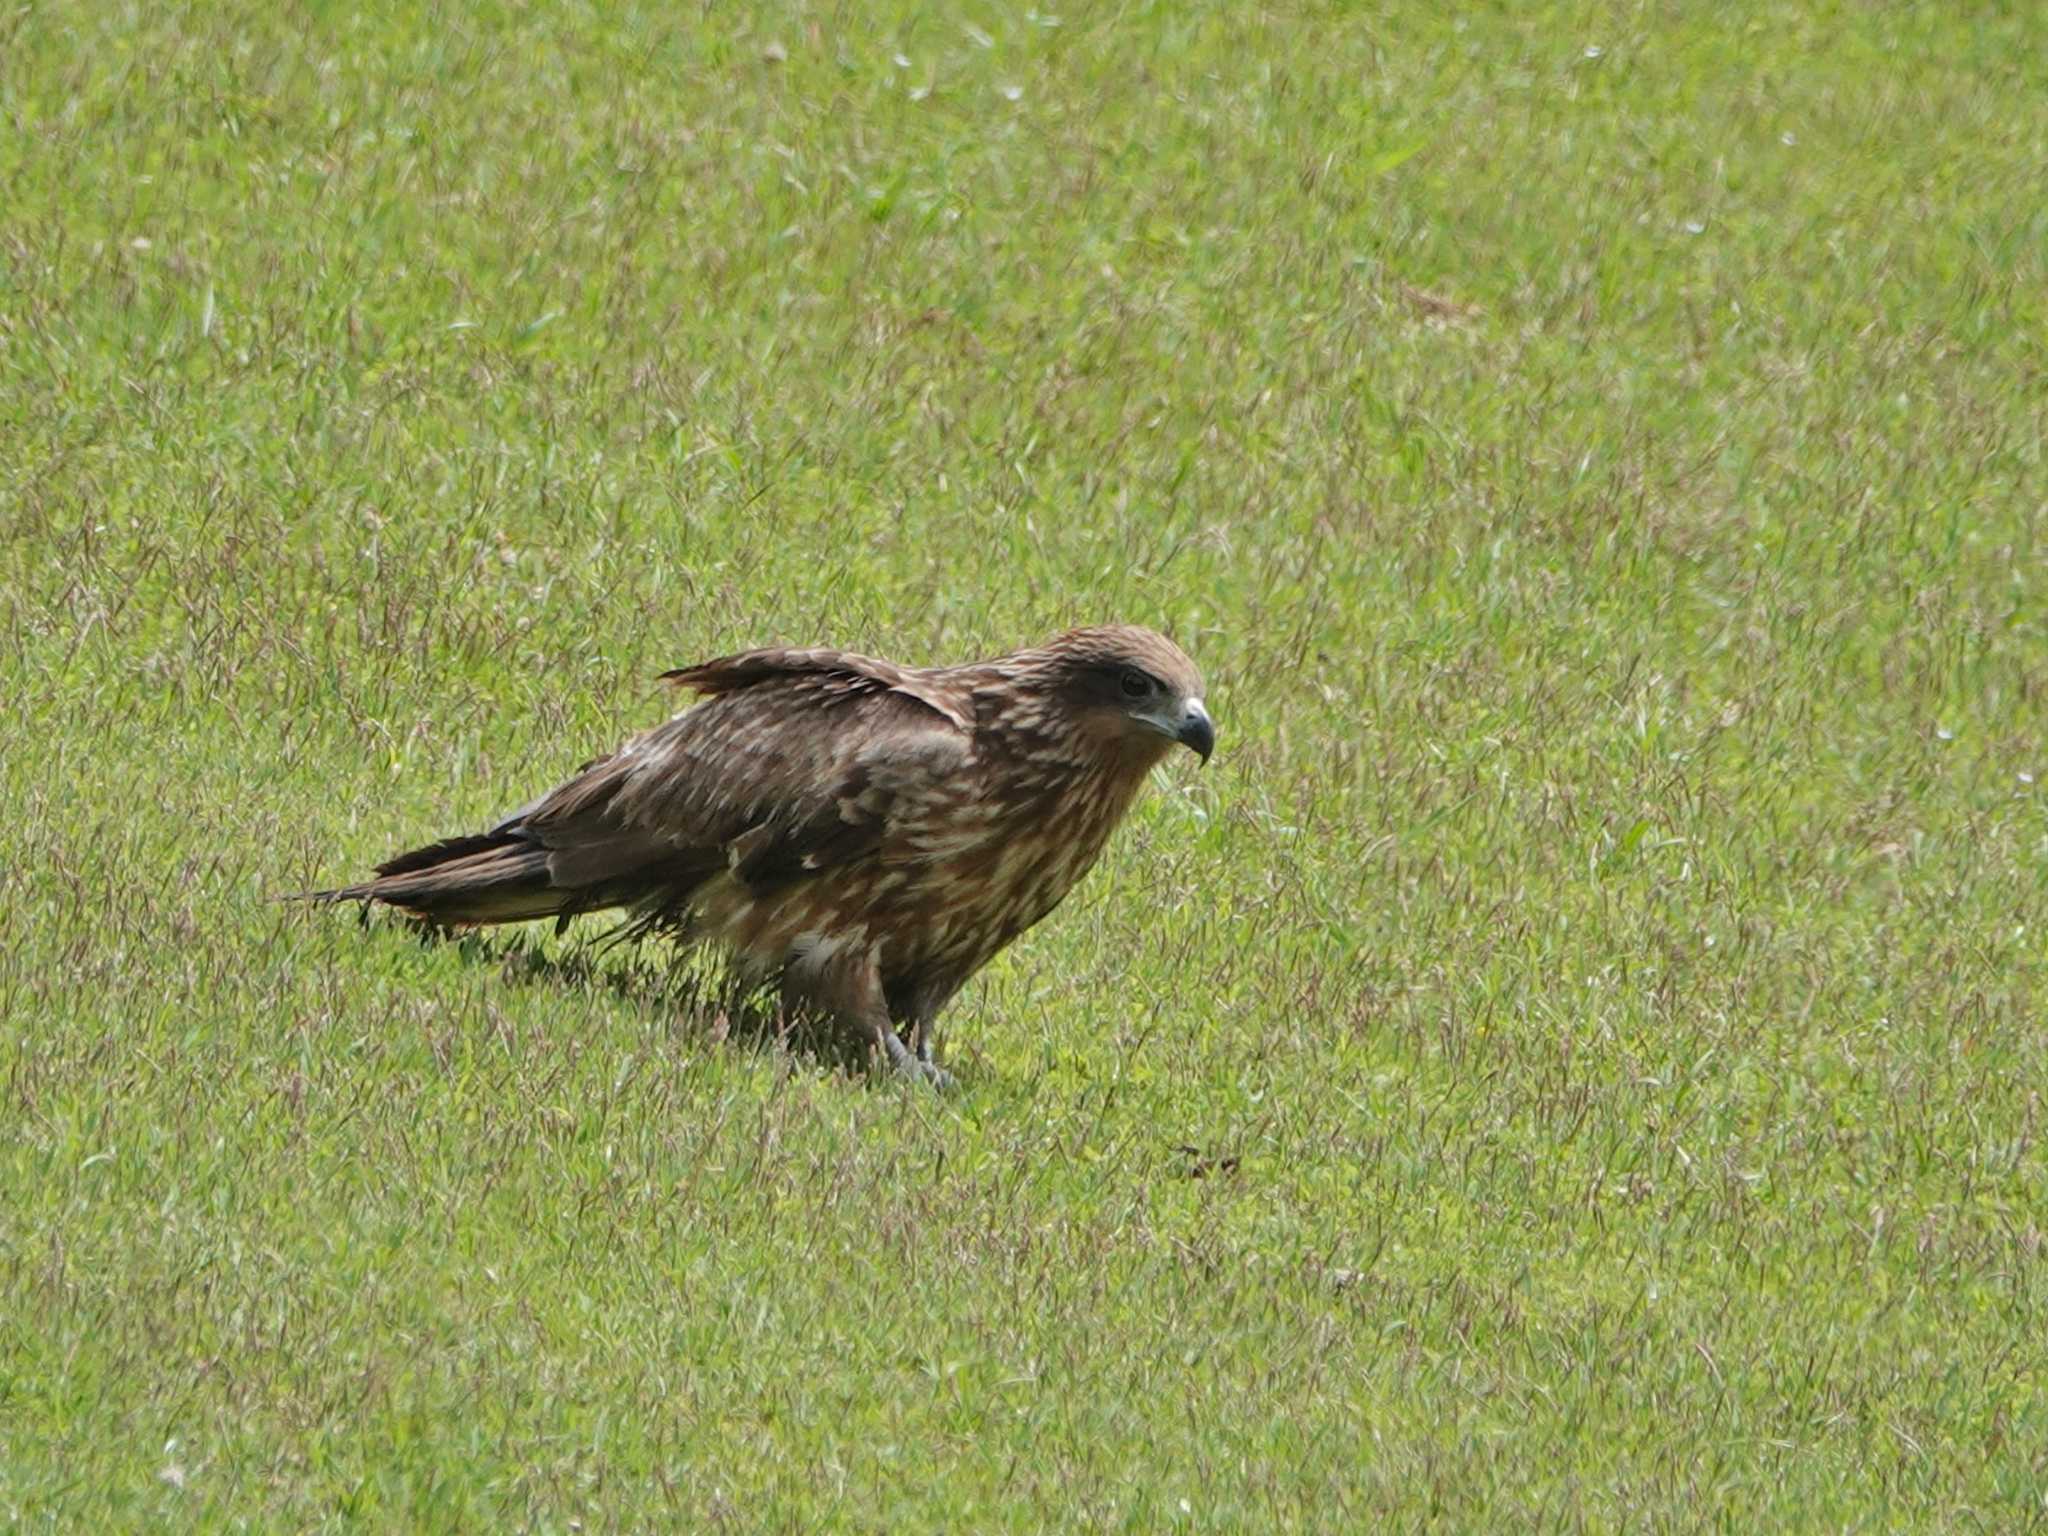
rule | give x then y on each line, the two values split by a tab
1573	1061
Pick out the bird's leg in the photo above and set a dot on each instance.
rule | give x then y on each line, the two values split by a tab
851	989
900	1057
921	1041
935	1074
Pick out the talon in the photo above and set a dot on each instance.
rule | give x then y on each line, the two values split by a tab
918	1069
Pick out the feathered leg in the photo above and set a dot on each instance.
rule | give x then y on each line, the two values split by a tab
847	985
922	1013
921	1049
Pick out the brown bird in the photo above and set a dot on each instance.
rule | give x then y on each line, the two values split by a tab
864	834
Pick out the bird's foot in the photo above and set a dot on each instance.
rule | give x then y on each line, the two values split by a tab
934	1074
919	1068
911	1070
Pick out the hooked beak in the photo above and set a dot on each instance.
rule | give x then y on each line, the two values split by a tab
1197	731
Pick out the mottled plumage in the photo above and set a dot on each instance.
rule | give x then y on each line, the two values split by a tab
867	834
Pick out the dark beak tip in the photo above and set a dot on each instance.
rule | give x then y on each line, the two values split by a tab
1198	735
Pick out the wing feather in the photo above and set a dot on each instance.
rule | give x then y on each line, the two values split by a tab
790	767
847	671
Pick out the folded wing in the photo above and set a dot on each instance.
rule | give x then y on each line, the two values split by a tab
793	765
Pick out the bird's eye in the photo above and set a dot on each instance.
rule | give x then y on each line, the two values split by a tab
1136	684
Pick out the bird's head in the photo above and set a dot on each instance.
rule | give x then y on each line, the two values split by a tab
1133	690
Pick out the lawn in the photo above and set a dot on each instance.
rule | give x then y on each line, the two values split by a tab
1573	1061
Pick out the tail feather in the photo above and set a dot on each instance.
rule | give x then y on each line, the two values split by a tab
443	852
504	876
495	877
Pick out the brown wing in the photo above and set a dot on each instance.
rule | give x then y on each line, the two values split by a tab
827	671
791	766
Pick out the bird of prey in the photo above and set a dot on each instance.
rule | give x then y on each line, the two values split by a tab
865	835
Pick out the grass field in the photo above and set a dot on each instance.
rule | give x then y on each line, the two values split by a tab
1574	1061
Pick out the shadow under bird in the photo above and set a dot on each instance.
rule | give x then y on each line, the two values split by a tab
865	835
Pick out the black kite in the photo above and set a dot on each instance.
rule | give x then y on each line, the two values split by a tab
865	834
